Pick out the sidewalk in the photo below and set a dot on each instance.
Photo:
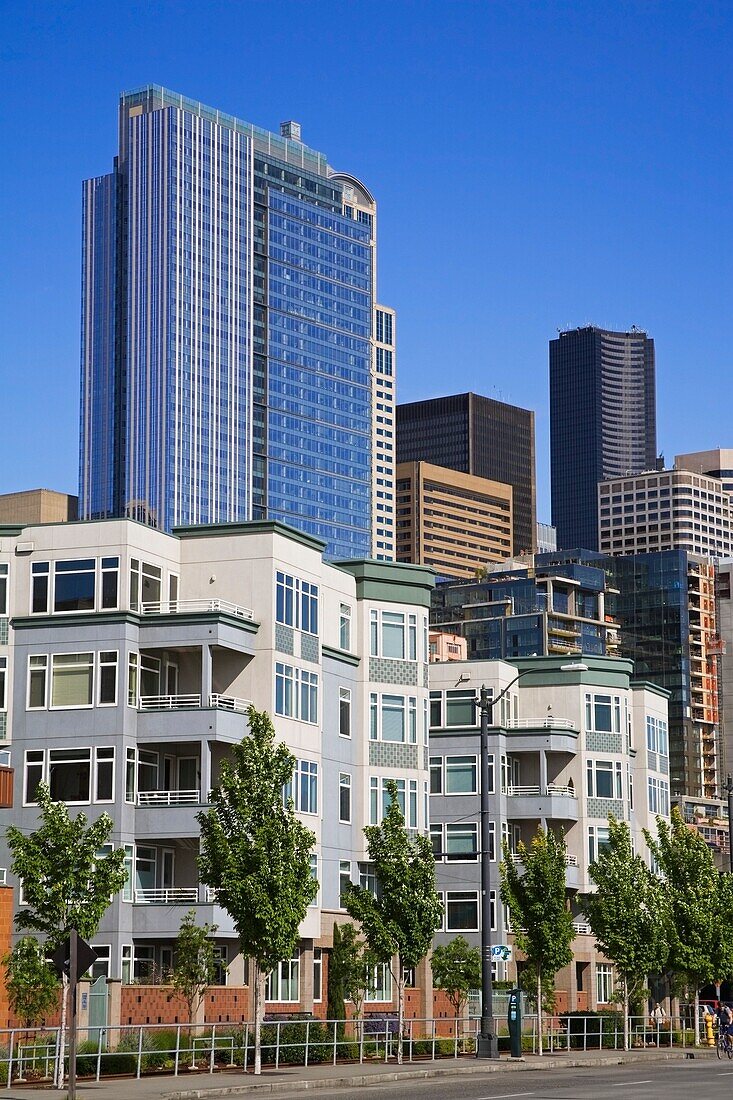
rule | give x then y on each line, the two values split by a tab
292	1079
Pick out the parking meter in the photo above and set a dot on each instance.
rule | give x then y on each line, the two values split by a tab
514	1019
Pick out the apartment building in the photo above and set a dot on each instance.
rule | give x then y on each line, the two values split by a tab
665	510
128	659
530	606
571	743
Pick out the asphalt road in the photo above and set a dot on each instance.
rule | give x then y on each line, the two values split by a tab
656	1081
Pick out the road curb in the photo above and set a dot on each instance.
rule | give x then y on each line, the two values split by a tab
357	1080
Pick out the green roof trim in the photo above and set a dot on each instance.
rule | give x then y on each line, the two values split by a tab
599	672
390	581
340	655
105	618
647	685
250	527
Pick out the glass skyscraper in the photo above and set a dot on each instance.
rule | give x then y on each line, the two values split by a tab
233	355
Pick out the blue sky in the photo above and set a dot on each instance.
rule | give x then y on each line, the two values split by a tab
537	166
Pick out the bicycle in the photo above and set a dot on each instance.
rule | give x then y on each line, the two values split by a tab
724	1044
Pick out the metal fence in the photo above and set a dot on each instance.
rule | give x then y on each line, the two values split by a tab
31	1055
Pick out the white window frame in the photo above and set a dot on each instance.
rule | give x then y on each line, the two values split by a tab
598	698
305	597
598	838
4	588
441	700
604	983
408	710
285	977
345	786
57	659
108	758
304	684
3	684
405	622
406	798
615	771
456	897
309	770
461	828
345	709
345	627
317	975
108	664
380	983
451	767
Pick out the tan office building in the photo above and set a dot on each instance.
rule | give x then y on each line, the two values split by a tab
37	506
454	522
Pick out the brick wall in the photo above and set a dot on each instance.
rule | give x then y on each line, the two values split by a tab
152	1004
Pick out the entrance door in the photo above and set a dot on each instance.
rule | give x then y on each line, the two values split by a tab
97	1006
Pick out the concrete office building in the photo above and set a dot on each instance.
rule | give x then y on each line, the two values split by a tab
602	422
456	523
716	463
546	538
570	744
128	658
479	436
37	506
235	362
665	510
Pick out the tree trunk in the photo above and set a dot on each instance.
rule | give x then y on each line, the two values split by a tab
539	1014
697	1016
260	978
62	1032
626	1014
400	1009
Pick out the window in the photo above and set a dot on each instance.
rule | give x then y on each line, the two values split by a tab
3	676
436	839
3	588
344	879
34	764
461	842
380	984
604	983
107	685
74	585
393	635
384	327
379	800
345	712
126	963
656	735
283	983
461	775
345	626
313	862
450	709
104	774
393	718
221	964
436	774
296	603
658	796
69	773
127	889
133	663
604	779
303	787
461	911
71	680
603	713
145	583
296	693
597	841
345	798
367	878
317	974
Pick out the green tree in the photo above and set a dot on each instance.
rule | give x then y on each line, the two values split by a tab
629	914
31	982
456	970
350	972
194	969
541	920
256	854
69	874
700	900
398	921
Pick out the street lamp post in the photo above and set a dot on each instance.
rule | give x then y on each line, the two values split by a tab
487	1043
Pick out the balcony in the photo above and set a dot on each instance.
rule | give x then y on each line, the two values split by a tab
555	802
169	798
196	607
582	929
179	717
171	895
548	722
572	870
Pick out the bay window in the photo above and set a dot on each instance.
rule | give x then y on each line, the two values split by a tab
393	718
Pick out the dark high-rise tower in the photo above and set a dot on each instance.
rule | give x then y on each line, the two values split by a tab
478	436
602	422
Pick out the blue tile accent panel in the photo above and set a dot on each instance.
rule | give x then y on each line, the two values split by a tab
284	639
385	754
603	742
4	631
310	649
387	670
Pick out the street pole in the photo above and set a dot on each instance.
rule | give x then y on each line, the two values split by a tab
73	940
487	1045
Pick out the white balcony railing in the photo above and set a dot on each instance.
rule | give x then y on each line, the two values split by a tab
229	702
552	788
183	607
171	895
547	722
169	702
168	798
570	861
581	929
3	876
